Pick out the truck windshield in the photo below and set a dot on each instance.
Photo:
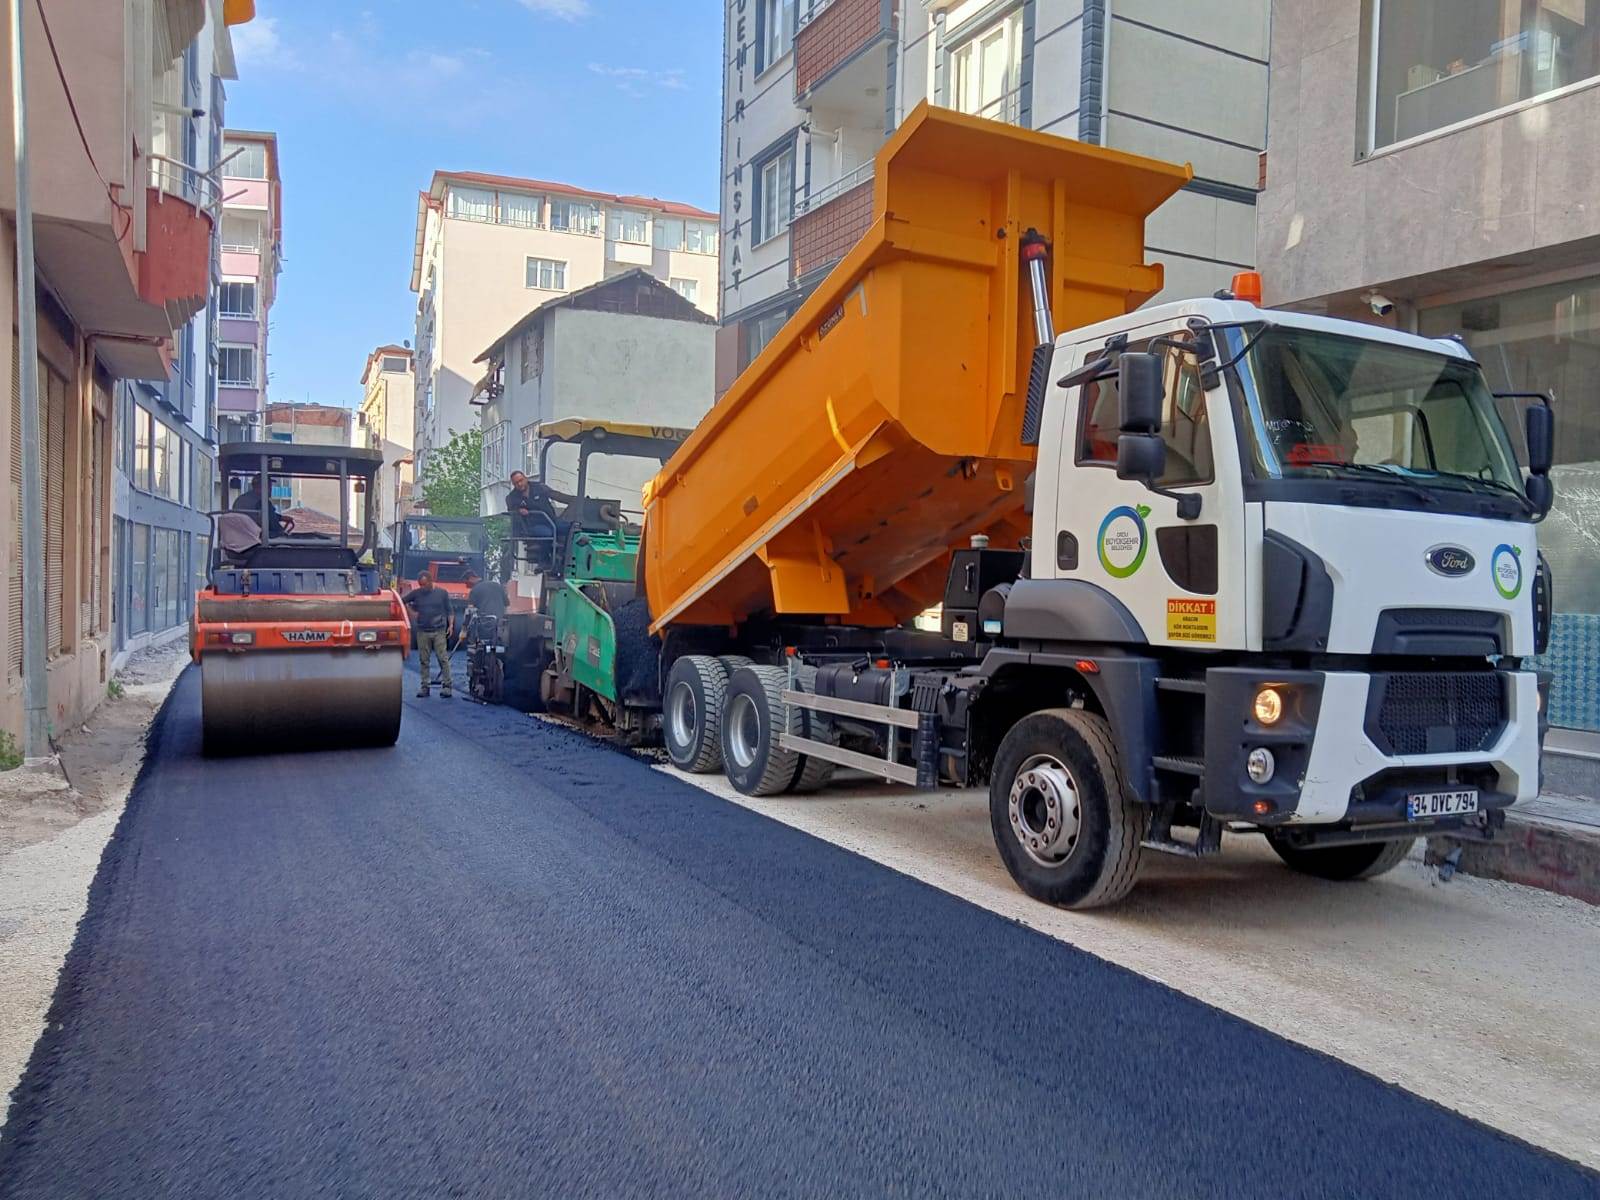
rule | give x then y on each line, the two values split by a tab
1320	405
446	540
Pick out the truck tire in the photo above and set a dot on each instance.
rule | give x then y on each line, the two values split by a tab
752	719
1066	829
732	662
814	772
691	713
1366	860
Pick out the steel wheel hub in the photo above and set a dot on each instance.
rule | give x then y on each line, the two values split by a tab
681	714
1044	812
744	731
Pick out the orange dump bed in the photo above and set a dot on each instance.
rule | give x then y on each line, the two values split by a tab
882	427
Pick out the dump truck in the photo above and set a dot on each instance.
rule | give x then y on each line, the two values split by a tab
449	548
299	643
1200	567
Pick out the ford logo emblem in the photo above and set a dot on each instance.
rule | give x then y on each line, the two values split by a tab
1451	561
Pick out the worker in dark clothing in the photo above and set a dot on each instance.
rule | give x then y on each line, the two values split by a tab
249	503
487	596
430	611
528	502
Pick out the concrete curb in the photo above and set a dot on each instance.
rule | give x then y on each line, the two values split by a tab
1551	855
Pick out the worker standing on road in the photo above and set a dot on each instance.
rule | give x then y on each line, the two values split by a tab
430	608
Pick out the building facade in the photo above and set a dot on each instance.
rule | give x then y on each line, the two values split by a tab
630	349
305	424
166	431
488	248
123	223
385	423
813	88
252	255
1432	165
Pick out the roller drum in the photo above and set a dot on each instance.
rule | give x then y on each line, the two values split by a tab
270	701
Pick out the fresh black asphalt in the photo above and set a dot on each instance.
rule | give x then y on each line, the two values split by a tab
499	960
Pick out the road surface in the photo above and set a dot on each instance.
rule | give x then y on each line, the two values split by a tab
501	960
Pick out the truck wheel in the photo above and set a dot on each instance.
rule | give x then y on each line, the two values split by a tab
751	721
1066	829
814	772
1367	860
691	718
732	662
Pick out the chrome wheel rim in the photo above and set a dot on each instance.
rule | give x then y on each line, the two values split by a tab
744	731
682	714
1044	812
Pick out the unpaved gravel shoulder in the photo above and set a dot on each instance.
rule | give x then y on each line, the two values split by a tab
56	815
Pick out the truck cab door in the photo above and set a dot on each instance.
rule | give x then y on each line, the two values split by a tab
1183	580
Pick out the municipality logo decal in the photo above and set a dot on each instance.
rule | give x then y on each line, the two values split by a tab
1124	541
1506	568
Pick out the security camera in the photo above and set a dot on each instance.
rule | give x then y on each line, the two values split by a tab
1380	304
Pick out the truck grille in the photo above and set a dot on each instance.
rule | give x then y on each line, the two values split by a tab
1436	713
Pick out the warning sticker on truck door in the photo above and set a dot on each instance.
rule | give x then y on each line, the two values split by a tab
1191	620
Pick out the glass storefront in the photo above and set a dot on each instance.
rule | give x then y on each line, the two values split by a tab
1548	339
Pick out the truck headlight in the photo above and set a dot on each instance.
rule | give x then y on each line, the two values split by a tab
1268	707
1261	765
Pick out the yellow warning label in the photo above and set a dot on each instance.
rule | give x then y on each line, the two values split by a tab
1191	620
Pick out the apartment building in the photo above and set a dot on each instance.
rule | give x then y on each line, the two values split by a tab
164	459
488	248
252	255
314	503
386	421
813	88
629	349
123	235
1433	164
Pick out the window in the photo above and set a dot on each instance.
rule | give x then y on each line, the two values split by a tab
574	216
394	364
161	580
702	238
774	31
531	351
144	449
250	162
628	226
494	454
241	235
547	274
986	71
761	330
520	209
1184	425
201	488
139	582
774	208
689	289
669	234
471	204
236	366
237	299
530	447
1437	62
166	465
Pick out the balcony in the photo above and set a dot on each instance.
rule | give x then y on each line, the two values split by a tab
841	54
829	221
181	209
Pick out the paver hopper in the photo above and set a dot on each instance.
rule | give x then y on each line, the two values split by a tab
298	642
883	427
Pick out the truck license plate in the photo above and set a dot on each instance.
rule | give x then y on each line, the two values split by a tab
1424	806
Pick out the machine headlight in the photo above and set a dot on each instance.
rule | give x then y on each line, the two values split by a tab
1268	707
1261	766
242	639
367	636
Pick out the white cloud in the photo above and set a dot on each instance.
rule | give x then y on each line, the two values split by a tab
257	45
635	81
566	10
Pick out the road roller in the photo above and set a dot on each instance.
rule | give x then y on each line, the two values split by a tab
300	645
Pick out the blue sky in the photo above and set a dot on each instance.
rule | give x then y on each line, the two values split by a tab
369	97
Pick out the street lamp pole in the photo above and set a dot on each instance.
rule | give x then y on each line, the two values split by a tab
35	685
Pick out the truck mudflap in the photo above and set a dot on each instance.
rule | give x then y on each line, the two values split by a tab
1369	751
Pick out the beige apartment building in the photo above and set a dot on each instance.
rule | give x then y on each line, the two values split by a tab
1434	164
386	421
490	248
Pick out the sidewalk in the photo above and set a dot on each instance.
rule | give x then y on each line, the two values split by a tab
56	815
1552	842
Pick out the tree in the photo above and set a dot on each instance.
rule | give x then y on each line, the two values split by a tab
453	482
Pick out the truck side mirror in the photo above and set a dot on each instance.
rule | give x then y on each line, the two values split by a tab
1541	494
1141	389
1541	439
1141	456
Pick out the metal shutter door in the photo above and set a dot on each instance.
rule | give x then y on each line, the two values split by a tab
53	405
